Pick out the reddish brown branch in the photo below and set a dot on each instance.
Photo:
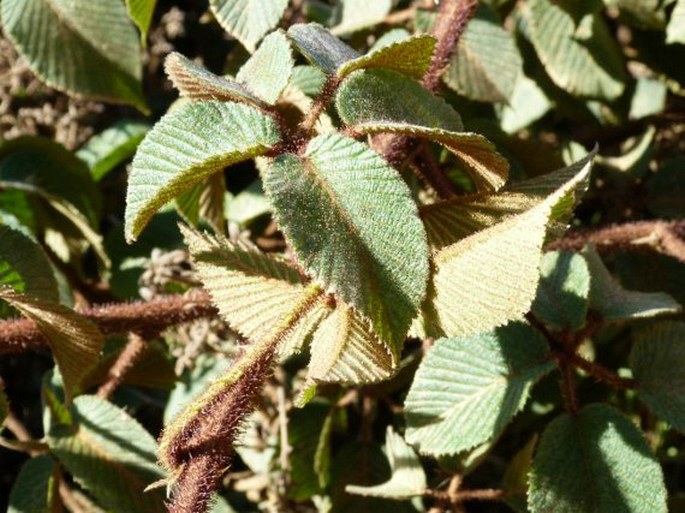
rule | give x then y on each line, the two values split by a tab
667	237
134	349
322	100
18	335
600	372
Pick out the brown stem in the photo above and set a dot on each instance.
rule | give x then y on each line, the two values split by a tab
18	335
135	347
322	100
667	237
600	372
568	388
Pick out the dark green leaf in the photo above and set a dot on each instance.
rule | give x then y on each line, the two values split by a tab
34	487
595	462
666	189
305	430
657	362
81	47
4	404
467	389
320	47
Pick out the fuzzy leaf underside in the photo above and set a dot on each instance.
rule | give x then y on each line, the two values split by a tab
354	226
408	478
268	71
110	455
64	41
75	341
613	302
589	464
467	389
410	56
320	47
490	277
188	145
248	20
656	360
197	83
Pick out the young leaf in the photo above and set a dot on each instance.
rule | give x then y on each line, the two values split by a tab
268	71
408	478
75	341
613	302
656	360
188	145
248	20
589	464
106	150
345	350
81	47
24	265
592	67
33	490
354	15
486	64
410	56
353	224
141	12
467	389
320	47
491	277
110	455
561	300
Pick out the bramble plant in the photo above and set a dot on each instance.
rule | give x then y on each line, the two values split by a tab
394	269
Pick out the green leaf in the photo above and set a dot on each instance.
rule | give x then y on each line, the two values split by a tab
561	300
305	430
467	389
110	455
675	30
188	145
345	350
648	99
515	482
24	266
106	150
75	341
613	302
4	404
141	11
656	360
589	463
408	478
353	224
486	64
355	15
268	71
308	79
527	104
490	277
248	20
591	67
80	47
320	47
410	56
205	202
379	96
33	488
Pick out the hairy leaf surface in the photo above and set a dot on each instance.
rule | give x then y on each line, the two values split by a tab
187	146
110	455
408	478
656	360
248	20
353	224
75	341
268	71
80	46
354	15
590	464
320	47
467	389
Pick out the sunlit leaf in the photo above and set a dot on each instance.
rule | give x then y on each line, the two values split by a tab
141	12
320	47
268	71
675	31
588	464
205	202
33	490
188	145
527	104
467	389
353	224
410	56
502	263
613	302
75	341
248	20
656	360
81	47
354	15
408	478
308	79
110	455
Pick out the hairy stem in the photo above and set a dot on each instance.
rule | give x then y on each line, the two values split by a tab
600	372
322	100
134	349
